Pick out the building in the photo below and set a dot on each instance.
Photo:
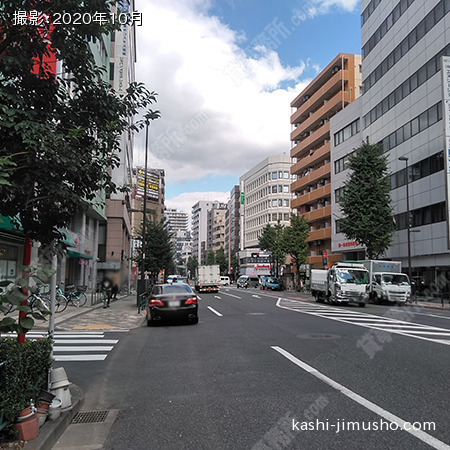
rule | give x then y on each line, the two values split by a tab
331	91
232	227
200	227
402	109
216	229
266	198
176	220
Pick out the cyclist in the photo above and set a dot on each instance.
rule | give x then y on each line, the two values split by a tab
107	286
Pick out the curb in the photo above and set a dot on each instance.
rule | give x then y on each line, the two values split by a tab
52	431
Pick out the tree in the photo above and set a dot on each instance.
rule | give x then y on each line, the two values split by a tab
272	239
295	241
366	203
158	249
192	264
235	266
59	132
221	259
210	258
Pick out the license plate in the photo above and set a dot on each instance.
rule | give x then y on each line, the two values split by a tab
174	304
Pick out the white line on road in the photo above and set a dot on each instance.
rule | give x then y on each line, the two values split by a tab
425	437
86	341
256	296
98	348
215	312
216	296
231	295
79	357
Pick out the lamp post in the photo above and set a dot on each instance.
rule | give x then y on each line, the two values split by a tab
404	158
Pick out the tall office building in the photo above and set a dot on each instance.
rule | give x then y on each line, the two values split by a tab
232	227
405	89
331	91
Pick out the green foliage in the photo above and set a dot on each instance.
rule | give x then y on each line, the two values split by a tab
235	265
295	240
158	249
366	203
192	264
22	376
59	134
221	259
12	296
210	258
272	239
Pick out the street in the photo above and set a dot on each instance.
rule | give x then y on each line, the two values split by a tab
256	371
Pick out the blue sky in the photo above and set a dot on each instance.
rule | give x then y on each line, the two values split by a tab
225	73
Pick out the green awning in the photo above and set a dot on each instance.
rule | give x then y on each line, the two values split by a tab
72	254
67	239
7	225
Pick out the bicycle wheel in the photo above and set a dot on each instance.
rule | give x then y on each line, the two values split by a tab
82	299
61	303
39	303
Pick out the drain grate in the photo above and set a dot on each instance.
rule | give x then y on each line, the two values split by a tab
90	417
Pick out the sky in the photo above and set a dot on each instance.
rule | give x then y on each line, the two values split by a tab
225	72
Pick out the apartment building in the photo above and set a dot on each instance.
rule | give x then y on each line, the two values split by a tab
331	91
266	198
232	227
216	229
176	220
402	108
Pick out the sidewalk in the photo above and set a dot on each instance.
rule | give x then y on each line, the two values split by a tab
122	314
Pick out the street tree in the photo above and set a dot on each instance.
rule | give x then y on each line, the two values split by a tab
366	203
295	240
272	239
60	131
210	258
158	249
221	259
235	266
192	264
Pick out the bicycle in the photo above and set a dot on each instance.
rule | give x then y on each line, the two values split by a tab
76	296
61	301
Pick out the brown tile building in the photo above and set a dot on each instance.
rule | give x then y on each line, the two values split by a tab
331	91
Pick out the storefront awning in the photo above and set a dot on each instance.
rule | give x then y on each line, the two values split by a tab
7	225
72	254
67	239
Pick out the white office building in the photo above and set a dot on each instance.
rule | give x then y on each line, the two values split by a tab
402	108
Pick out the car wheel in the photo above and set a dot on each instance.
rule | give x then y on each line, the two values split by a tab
194	321
150	323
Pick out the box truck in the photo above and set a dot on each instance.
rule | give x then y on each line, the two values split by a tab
388	283
208	278
341	284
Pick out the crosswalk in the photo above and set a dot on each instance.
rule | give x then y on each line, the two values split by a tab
77	345
386	323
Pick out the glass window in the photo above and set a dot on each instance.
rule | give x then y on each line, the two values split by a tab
431	67
407	131
280	202
286	175
439	110
280	174
396	12
413	81
274	175
405	88
403	6
385	106
422	74
415	172
397	53
432	116
286	216
429	21
398	94
412	38
399	136
274	189
378	111
420	30
392	141
414	126
393	181
285	188
390	60
274	203
425	167
404	46
274	217
391	100
285	202
389	21
423	121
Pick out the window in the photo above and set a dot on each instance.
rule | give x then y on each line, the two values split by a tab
274	189
286	175
280	174
285	188
286	217
286	202
274	217
423	121
274	175
274	203
280	202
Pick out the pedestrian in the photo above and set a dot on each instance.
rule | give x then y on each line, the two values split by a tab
107	286
115	291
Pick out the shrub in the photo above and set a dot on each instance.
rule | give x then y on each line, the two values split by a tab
23	374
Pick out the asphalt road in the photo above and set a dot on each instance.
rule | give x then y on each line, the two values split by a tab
257	370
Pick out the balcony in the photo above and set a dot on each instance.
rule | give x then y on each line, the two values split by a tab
312	197
318	214
319	235
312	177
312	140
317	261
320	154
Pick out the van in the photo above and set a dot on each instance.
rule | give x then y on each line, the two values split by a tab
225	281
246	281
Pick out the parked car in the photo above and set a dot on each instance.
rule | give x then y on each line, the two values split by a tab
172	302
246	281
225	281
178	279
271	283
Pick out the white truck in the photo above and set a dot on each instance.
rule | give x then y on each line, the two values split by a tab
208	278
388	283
341	284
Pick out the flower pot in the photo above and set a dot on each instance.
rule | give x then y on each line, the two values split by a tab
46	396
28	429
42	405
55	409
26	412
42	416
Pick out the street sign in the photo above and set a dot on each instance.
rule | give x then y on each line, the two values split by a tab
242	198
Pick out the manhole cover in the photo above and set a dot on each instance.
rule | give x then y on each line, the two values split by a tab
318	336
90	417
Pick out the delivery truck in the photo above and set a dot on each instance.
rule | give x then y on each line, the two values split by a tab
208	278
341	284
388	283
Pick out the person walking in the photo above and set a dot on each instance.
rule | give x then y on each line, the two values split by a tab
107	286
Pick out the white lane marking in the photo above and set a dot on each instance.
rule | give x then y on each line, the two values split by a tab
216	296
198	296
79	357
425	437
86	341
231	295
214	311
81	349
427	315
256	296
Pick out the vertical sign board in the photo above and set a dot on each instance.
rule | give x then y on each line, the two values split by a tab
446	116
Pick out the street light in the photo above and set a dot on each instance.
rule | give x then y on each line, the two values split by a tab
404	158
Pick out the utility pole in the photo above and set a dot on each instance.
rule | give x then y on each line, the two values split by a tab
408	214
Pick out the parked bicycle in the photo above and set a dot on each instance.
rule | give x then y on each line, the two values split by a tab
76	296
61	301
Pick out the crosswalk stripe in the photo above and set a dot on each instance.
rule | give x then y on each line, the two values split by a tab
83	349
80	357
86	341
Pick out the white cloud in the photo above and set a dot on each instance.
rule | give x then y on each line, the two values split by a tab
315	8
221	111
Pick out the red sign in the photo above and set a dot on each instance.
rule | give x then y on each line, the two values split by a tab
325	254
347	244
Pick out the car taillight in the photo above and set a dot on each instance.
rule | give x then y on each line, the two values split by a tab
192	301
154	302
